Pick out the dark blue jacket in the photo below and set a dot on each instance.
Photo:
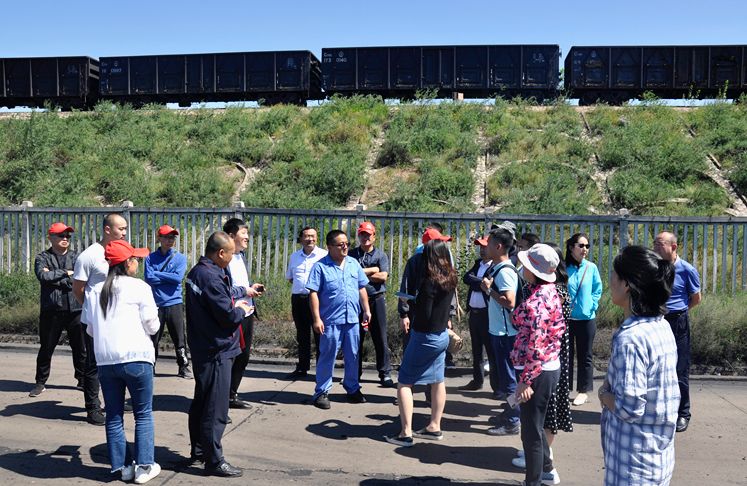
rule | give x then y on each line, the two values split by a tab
212	320
164	274
56	285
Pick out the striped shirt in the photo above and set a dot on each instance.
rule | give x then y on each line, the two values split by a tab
638	437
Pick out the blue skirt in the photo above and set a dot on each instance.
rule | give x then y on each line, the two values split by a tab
424	360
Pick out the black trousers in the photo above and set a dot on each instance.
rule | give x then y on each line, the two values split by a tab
304	330
172	317
208	412
581	338
242	360
51	325
480	337
91	375
680	323
377	330
533	438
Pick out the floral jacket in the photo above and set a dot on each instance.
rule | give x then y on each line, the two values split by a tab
539	319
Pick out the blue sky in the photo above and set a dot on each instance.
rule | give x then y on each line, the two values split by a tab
54	28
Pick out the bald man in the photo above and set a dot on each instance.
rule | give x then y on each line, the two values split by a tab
685	296
213	336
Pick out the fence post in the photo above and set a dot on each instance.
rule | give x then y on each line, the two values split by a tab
622	228
237	206
26	235
126	205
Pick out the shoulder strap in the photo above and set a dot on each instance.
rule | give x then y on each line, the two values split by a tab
166	262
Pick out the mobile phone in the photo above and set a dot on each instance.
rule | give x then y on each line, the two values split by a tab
260	288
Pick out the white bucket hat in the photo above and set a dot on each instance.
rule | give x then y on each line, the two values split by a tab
541	260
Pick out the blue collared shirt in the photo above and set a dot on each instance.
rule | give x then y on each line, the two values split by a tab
338	290
638	436
686	283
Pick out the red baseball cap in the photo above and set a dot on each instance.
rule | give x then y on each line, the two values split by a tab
482	241
367	227
118	251
58	228
434	234
166	230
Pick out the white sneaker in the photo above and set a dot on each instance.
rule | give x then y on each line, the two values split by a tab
143	474
128	472
580	399
486	368
519	462
520	453
551	477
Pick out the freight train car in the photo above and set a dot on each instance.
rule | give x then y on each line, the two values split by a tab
278	76
67	82
617	74
475	71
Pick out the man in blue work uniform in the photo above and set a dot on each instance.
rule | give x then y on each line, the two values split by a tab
164	272
685	296
212	333
375	264
337	286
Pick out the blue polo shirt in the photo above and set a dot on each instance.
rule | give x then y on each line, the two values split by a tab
338	290
686	283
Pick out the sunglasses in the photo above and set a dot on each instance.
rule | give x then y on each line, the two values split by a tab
582	245
168	237
62	235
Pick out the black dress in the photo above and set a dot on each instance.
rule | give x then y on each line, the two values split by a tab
558	407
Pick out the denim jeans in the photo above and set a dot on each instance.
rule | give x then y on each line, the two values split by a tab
137	377
502	347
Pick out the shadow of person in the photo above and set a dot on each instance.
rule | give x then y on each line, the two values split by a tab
430	481
265	374
168	459
46	409
497	458
171	403
276	397
16	386
65	462
585	417
340	430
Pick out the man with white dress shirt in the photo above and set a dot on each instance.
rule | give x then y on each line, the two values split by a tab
297	274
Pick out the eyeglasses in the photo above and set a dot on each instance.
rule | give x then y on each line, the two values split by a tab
62	236
169	237
582	245
342	245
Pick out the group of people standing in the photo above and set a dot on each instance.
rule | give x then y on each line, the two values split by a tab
531	308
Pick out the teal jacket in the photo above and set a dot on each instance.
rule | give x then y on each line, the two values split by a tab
586	298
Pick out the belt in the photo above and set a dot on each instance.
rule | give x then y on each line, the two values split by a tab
300	296
478	309
677	313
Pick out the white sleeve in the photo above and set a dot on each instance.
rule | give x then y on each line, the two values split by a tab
148	309
81	269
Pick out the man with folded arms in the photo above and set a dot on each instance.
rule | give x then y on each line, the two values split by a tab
213	335
58	308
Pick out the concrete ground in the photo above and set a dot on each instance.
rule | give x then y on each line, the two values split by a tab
283	439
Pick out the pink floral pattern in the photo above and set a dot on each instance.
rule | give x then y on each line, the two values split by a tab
539	320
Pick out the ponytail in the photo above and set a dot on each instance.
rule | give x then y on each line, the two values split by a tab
105	301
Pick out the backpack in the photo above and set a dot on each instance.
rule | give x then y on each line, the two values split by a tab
520	286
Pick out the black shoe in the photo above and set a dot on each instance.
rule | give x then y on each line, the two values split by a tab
185	372
296	374
128	406
682	424
356	397
96	417
239	403
322	401
225	470
228	420
471	386
387	382
80	386
37	390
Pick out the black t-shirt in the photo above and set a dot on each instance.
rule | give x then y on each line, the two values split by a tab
431	308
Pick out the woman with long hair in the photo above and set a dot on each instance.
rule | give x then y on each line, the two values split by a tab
124	320
584	290
536	358
424	360
640	396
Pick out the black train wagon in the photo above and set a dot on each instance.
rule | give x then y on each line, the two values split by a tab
275	77
615	74
65	82
476	71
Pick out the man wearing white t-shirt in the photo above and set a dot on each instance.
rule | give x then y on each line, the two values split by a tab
297	274
242	291
90	273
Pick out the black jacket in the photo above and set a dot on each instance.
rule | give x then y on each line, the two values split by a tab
473	281
410	285
212	320
56	284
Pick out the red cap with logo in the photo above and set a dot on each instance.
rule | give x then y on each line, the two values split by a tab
367	227
434	234
166	230
118	251
58	228
482	241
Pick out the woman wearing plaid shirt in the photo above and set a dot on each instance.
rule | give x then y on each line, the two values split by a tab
640	395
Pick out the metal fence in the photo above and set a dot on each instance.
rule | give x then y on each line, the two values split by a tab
716	246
